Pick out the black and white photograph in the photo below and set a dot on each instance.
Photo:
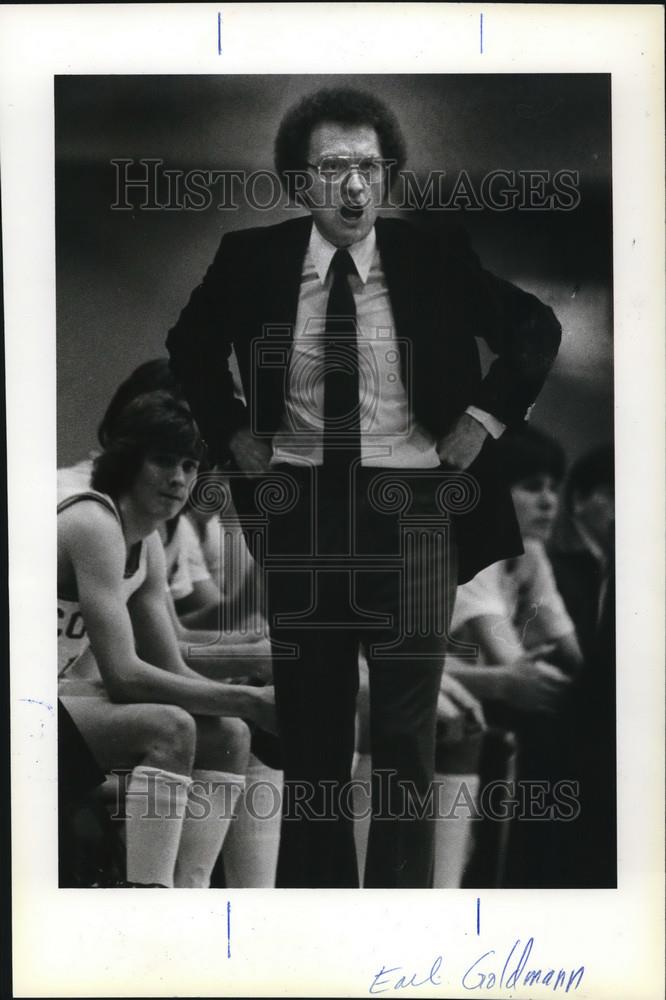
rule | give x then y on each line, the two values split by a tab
384	611
335	408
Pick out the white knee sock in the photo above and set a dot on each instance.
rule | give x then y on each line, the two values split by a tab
154	810
251	847
211	804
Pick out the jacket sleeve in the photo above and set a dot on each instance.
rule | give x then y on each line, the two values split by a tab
199	348
522	332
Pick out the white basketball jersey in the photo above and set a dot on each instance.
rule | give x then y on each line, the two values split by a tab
75	657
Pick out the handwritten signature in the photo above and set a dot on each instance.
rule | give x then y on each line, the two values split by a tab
485	972
380	985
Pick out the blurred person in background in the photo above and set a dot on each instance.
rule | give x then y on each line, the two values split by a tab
582	548
528	651
512	610
583	556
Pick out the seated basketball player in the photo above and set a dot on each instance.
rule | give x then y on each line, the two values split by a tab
194	582
121	675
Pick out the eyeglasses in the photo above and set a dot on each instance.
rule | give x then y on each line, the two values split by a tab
333	169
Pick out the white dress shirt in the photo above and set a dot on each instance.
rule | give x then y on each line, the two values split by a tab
390	436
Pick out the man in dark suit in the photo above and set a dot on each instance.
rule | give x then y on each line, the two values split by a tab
354	338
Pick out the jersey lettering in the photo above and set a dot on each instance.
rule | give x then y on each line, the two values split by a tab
75	628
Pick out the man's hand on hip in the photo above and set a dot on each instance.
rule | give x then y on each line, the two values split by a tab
251	454
463	443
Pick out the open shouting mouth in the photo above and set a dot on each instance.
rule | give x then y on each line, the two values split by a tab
351	213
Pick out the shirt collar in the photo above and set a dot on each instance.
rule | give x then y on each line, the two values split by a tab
321	254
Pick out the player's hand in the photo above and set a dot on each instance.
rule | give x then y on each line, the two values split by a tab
462	444
263	709
532	685
251	454
466	702
450	721
233	662
259	663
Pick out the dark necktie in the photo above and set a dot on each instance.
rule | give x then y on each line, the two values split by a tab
342	434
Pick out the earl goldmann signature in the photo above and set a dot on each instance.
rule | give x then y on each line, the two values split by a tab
484	972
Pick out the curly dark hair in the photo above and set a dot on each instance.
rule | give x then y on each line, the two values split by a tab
342	106
149	423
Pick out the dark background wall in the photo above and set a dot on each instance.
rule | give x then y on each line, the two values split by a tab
123	276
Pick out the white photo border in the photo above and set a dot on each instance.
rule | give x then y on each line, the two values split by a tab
328	943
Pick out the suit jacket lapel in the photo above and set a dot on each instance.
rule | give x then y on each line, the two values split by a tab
279	268
284	266
398	266
408	268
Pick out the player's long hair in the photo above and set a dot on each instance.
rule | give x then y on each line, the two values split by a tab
151	376
154	422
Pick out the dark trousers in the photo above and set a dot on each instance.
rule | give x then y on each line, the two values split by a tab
370	566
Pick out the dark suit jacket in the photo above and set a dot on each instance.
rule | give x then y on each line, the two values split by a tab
441	300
